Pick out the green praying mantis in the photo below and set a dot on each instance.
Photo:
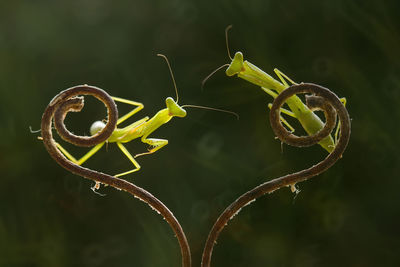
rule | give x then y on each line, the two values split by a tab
139	129
298	110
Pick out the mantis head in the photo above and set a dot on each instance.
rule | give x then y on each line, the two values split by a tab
174	109
236	65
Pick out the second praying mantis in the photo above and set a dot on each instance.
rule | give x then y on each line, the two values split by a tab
298	110
139	129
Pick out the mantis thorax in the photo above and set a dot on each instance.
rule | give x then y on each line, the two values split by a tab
236	65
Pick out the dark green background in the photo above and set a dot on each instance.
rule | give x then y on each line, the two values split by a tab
348	216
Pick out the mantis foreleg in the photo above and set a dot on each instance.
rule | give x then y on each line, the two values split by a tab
156	144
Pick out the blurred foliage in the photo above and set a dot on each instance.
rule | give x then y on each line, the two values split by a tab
349	216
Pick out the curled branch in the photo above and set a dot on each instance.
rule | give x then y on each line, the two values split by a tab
321	98
69	100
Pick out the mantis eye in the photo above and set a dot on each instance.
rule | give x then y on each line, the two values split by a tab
96	127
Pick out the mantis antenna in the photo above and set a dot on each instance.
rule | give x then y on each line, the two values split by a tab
227	40
211	74
215	109
172	75
225	65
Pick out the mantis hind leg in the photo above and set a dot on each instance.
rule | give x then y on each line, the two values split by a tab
285	111
155	144
130	157
139	106
281	77
344	101
288	112
272	93
82	159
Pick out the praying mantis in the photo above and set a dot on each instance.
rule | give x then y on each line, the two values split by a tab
139	129
298	110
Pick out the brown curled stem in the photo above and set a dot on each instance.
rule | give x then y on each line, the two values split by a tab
69	100
323	99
